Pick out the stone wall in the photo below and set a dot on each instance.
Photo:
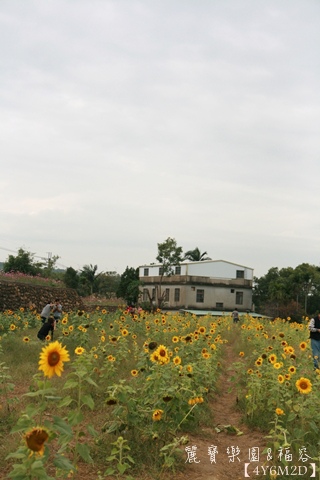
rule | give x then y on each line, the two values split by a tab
15	295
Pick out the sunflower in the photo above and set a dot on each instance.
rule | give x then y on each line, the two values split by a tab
241	354
279	411
258	362
277	365
134	373
175	339
99	320
163	354
304	385
103	338
64	321
303	345
70	328
206	355
12	327
79	351
36	438
202	330
157	414
280	378
177	360
104	311
189	368
289	350
111	358
26	339
124	332
52	358
292	369
195	400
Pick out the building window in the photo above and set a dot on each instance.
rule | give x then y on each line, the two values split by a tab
232	290
145	295
177	294
219	305
240	274
160	271
167	295
239	298
146	272
177	270
200	296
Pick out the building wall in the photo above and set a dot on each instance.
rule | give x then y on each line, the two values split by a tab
215	297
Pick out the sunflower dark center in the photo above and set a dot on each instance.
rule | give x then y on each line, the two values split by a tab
53	359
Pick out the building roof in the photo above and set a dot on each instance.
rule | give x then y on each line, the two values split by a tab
200	261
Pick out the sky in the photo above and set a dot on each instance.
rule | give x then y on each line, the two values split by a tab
125	122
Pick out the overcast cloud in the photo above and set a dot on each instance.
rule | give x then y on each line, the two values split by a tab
125	122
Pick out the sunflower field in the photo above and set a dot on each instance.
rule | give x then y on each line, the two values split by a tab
121	392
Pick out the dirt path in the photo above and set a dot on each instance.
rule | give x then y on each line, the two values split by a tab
225	412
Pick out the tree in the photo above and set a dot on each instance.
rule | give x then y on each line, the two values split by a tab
289	291
195	255
49	266
107	284
129	286
23	263
88	279
169	255
71	278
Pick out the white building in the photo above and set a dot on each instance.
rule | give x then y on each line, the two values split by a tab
204	285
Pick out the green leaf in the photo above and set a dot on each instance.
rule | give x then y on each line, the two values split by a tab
63	463
16	455
122	467
37	465
92	382
109	471
65	401
52	397
88	400
92	431
75	418
71	383
62	427
84	453
111	458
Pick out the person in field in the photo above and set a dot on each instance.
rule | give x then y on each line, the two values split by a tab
46	329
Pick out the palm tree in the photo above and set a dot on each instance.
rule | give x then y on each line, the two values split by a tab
195	255
88	277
